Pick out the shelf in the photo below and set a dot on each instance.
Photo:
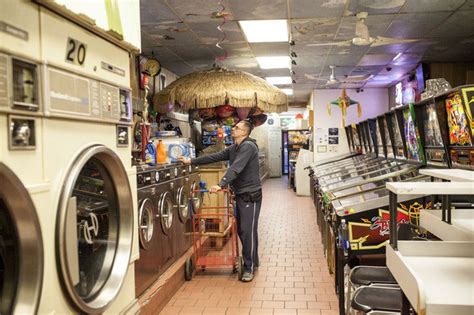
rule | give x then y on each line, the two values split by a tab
431	188
436	277
461	229
456	175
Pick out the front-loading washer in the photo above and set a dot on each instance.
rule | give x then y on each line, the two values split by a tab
183	225
155	218
23	189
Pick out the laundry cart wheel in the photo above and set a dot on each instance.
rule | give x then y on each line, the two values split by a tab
240	267
188	269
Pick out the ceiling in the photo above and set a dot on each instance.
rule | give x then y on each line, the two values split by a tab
182	34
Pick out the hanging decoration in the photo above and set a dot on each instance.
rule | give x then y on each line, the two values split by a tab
221	14
344	102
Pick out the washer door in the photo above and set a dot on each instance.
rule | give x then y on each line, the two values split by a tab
165	208
94	229
182	202
196	197
146	221
21	244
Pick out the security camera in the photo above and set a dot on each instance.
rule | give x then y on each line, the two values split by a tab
388	69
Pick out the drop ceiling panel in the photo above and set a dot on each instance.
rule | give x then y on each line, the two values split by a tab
270	49
156	12
375	7
376	59
393	49
194	11
377	24
233	50
460	24
258	9
209	33
308	61
178	67
314	30
343	60
415	25
469	5
431	5
303	50
316	8
161	53
193	52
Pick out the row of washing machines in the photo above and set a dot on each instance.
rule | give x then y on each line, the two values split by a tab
168	195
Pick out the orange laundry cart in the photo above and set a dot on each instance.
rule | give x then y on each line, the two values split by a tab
216	245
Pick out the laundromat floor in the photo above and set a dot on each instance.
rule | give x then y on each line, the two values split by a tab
293	277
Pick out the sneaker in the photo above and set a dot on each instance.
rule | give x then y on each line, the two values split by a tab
247	276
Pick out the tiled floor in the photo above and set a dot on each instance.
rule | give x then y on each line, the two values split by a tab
292	279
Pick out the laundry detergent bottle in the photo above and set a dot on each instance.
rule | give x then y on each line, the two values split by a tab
150	153
161	156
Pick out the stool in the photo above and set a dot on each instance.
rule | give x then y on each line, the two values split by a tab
380	300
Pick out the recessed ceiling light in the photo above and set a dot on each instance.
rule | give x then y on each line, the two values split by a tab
287	91
264	31
278	80
276	62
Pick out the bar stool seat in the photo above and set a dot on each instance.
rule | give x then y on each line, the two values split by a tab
368	299
368	275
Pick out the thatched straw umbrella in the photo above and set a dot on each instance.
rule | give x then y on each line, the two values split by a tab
218	86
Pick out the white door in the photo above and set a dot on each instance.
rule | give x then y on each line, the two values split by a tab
274	151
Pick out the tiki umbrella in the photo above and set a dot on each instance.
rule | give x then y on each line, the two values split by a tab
219	86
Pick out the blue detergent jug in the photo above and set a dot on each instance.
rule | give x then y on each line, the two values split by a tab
150	154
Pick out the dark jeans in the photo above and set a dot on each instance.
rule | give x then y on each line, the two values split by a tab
247	213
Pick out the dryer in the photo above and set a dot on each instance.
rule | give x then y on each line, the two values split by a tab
155	220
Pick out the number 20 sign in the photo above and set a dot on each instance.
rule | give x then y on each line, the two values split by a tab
75	51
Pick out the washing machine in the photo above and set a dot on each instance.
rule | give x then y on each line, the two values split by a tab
194	186
155	221
23	189
183	225
68	128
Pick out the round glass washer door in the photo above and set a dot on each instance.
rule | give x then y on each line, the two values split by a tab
146	221
165	208
21	247
182	202
195	196
94	229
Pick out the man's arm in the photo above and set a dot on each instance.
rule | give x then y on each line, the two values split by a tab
214	157
246	151
211	158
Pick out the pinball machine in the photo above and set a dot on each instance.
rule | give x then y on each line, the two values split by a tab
458	126
360	221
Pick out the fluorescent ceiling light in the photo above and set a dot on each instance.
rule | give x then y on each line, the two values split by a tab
287	91
264	31
278	80
277	62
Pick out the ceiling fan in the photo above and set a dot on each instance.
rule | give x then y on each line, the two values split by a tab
363	37
348	79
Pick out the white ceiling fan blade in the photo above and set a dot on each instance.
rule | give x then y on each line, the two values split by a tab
340	44
380	41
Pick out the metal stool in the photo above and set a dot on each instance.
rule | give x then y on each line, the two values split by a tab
377	300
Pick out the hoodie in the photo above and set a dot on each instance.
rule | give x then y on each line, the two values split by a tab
243	173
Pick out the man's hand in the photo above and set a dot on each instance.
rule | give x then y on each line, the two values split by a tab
184	160
214	189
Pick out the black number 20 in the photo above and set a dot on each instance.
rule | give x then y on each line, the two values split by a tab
72	53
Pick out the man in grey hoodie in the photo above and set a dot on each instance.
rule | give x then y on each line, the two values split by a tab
244	178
